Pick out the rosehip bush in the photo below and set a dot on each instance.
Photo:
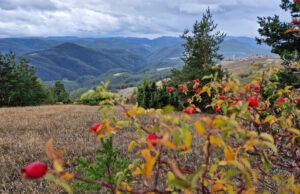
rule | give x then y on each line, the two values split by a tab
250	145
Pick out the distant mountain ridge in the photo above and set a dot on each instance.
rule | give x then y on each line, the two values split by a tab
90	60
70	61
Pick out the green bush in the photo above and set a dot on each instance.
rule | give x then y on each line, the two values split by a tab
151	96
93	97
108	167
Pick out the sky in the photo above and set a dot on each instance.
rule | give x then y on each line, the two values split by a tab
130	18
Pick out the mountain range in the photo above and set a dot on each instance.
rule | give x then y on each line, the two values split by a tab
84	62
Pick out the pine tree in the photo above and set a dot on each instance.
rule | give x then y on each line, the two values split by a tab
201	50
273	32
284	38
18	84
60	92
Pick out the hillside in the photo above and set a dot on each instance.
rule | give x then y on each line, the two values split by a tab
126	61
71	61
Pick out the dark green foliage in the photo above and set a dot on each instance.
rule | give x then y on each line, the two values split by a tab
57	93
287	45
151	96
200	56
60	92
71	61
201	48
18	84
107	166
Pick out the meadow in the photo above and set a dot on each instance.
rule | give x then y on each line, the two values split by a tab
25	130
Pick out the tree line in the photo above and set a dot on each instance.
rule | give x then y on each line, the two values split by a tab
20	87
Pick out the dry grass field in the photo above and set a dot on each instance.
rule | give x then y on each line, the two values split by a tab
25	130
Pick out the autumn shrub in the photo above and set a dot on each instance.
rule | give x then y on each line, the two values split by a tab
250	145
94	96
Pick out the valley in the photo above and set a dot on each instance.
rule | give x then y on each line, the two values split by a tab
83	63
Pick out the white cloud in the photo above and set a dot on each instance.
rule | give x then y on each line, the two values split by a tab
128	17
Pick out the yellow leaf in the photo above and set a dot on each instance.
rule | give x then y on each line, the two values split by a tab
267	137
49	149
245	162
140	110
270	119
126	185
208	121
280	92
67	176
200	127
131	145
57	164
272	146
150	161
168	144
100	136
229	154
137	171
222	163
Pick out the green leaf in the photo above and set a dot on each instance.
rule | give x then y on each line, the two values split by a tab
293	130
168	109
49	177
187	135
64	184
207	77
176	137
265	160
224	108
178	183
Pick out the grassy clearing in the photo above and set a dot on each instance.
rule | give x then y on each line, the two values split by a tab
25	130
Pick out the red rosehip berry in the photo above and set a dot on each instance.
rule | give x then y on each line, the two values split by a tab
295	21
241	93
222	97
198	90
35	170
233	104
181	88
256	87
151	137
280	100
263	109
256	91
298	99
251	86
95	127
195	81
238	99
185	148
253	101
170	89
223	87
298	1
189	110
217	109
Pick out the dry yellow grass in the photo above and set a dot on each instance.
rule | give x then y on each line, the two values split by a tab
25	130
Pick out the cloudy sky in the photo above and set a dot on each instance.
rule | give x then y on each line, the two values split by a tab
140	18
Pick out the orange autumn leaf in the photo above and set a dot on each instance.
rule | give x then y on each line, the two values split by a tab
229	154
